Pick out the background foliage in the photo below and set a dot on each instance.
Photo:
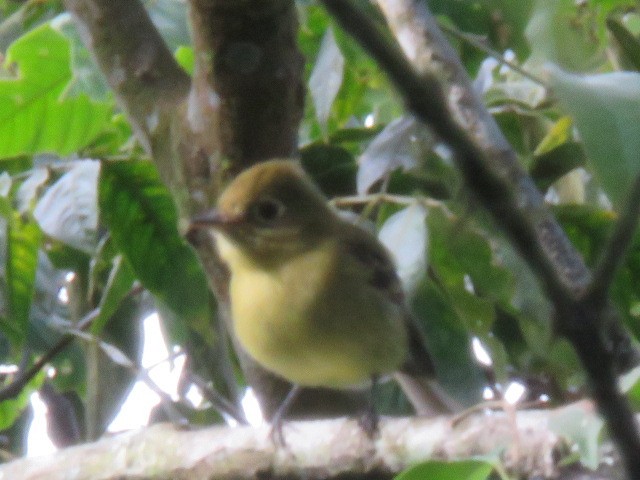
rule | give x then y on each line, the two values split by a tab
87	226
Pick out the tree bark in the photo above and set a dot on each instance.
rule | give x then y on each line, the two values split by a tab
322	449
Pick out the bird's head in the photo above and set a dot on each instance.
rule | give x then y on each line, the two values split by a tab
271	209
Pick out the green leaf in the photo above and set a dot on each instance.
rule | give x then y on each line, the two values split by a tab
332	167
606	110
142	218
458	252
11	409
562	32
449	343
22	263
355	134
553	164
119	283
557	135
34	117
186	58
461	470
627	42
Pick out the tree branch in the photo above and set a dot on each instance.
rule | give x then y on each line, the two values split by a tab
247	56
615	251
327	449
438	91
133	56
148	83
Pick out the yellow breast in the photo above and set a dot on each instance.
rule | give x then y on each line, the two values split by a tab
311	321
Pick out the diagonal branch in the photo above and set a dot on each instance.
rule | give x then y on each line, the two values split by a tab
134	58
486	159
148	83
436	89
23	377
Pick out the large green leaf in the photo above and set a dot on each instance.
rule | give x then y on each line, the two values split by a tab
606	110
459	254
142	218
562	32
34	114
21	264
449	344
332	167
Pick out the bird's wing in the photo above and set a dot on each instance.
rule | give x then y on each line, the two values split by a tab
375	261
382	275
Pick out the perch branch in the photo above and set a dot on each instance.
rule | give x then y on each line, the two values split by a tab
321	449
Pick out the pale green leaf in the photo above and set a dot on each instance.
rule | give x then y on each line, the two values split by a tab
580	424
606	110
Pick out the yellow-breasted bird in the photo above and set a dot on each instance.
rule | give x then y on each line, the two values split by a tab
314	298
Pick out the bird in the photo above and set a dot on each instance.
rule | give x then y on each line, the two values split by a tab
315	298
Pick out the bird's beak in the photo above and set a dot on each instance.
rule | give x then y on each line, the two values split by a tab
214	219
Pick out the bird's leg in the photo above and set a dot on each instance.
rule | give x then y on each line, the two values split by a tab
277	420
370	420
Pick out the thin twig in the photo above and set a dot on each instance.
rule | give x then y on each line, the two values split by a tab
121	358
349	200
471	40
25	376
615	250
218	401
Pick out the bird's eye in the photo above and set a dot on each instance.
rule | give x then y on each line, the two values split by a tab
268	210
